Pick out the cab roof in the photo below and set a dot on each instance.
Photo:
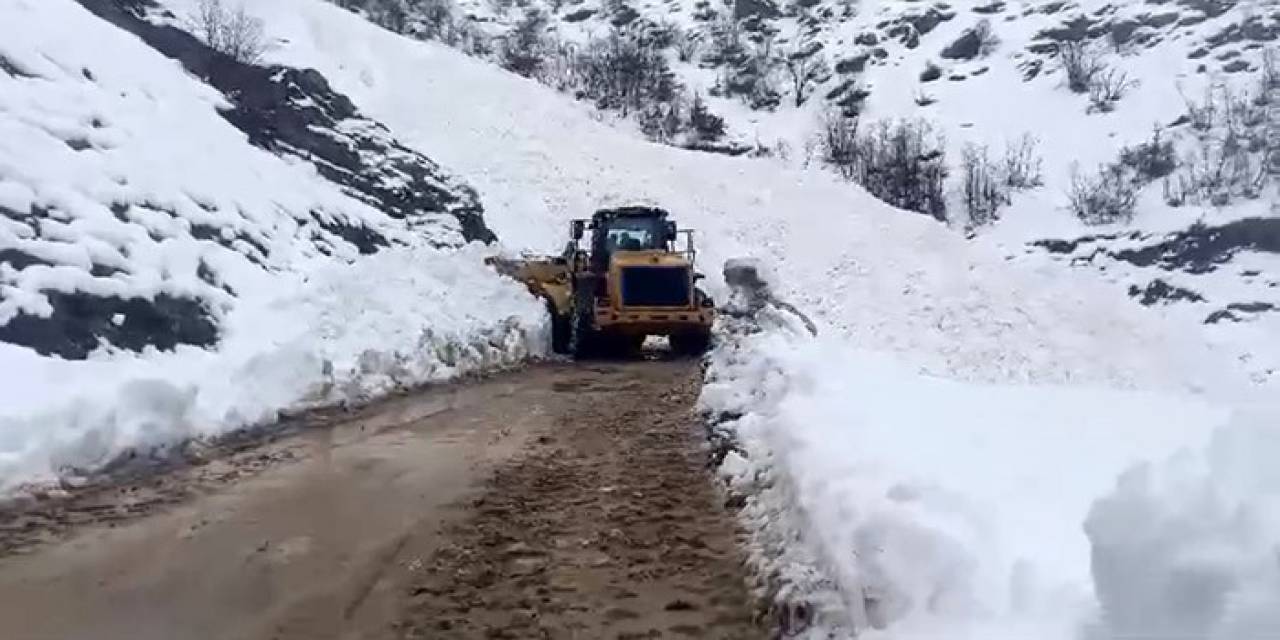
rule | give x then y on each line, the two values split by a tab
631	212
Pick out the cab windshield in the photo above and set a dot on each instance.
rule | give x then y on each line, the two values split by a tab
634	234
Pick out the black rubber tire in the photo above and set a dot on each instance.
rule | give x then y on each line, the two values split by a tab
560	329
582	331
691	344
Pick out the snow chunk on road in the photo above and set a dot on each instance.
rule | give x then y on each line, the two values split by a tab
335	334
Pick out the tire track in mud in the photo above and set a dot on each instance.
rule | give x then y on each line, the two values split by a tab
559	501
608	527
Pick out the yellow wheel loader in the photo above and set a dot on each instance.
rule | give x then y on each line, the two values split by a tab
631	282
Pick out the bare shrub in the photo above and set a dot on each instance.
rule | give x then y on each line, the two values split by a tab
687	44
901	163
981	186
1151	160
1081	63
838	141
806	68
524	49
986	185
704	126
1217	172
232	32
1269	78
1232	151
1107	87
1107	197
1021	165
436	21
621	74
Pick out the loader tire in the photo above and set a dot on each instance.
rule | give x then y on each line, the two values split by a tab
691	344
582	331
560	329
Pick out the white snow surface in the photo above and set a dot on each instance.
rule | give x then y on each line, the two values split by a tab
956	424
92	119
960	414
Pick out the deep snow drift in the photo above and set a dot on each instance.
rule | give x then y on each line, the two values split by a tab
133	216
846	427
934	508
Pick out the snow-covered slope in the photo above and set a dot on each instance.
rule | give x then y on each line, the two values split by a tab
904	282
209	282
916	293
1199	76
909	313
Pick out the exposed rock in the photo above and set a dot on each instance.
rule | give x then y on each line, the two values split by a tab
966	47
80	322
296	112
1160	291
1234	310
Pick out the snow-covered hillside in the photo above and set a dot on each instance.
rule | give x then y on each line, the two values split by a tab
156	256
922	297
1177	101
947	448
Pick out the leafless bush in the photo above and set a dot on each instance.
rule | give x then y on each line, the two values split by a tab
1107	197
1107	87
838	140
981	186
1020	168
1081	63
524	49
687	44
1230	154
621	74
1269	78
232	32
1151	160
986	185
806	68
901	163
436	21
704	126
1217	172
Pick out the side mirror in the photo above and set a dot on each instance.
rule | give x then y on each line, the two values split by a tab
671	230
576	228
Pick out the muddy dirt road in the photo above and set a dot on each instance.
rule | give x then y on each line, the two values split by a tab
556	502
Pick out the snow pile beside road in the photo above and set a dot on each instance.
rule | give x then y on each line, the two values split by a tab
341	333
936	508
1187	548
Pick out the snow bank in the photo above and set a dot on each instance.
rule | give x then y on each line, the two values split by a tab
120	180
338	333
1190	547
928	507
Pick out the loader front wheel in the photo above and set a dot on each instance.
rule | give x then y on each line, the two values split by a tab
691	344
560	329
582	331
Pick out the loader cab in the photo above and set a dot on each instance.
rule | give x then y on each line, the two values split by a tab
626	229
